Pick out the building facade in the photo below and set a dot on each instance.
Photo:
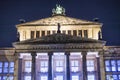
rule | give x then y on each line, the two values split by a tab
60	48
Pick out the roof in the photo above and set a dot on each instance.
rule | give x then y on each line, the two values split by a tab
54	20
57	38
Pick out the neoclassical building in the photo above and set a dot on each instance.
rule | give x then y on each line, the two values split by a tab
60	48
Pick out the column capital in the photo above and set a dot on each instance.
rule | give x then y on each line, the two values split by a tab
67	53
84	53
33	54
101	53
50	53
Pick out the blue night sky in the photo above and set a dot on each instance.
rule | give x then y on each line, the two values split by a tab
108	12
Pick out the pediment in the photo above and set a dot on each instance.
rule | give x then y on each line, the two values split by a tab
54	20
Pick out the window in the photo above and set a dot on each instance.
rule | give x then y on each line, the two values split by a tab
44	66
27	78
10	77
32	34
74	65
118	65
43	78
43	33
74	33
37	34
59	66
69	32
91	77
5	70
48	32
11	67
85	33
28	66
54	32
64	32
107	64
1	64
75	77
80	33
114	67
90	65
60	77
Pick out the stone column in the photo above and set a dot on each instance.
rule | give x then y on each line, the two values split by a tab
67	65
33	68
16	58
20	69
98	68
102	66
84	65
50	66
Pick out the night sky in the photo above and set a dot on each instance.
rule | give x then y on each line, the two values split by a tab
108	12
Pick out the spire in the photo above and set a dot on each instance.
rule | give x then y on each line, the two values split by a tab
59	10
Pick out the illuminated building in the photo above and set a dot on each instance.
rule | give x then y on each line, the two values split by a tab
60	48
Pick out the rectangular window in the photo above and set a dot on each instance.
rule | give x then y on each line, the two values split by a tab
28	66
74	33
113	65
75	77
48	32
27	78
60	77
10	78
59	65
118	65
64	32
91	77
32	34
11	67
74	65
43	33
69	32
115	77
107	65
90	65
1	64
54	32
37	34
80	33
5	78
5	70
43	78
44	66
85	33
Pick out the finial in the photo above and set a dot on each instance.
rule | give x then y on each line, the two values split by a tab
59	10
58	31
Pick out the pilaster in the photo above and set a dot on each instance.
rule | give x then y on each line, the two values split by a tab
33	68
67	65
16	61
84	65
102	66
50	65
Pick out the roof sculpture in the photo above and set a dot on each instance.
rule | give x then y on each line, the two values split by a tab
58	17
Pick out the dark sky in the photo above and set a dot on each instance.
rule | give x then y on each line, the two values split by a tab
108	12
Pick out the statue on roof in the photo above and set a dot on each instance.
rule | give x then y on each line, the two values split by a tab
59	10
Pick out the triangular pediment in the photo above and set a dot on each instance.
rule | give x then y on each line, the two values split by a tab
54	20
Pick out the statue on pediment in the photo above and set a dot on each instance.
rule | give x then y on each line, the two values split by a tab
59	10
